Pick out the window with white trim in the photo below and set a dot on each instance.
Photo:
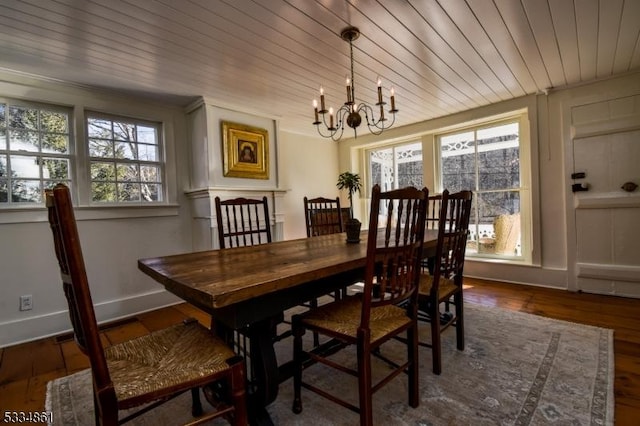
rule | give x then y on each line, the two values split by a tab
125	160
488	159
35	151
396	166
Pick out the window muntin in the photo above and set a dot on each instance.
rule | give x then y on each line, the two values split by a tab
487	160
34	151
125	159
397	166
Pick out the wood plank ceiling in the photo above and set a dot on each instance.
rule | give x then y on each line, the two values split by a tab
271	56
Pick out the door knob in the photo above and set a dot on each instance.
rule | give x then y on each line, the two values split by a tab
629	186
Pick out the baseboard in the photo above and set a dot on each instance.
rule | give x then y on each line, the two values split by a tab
518	274
54	323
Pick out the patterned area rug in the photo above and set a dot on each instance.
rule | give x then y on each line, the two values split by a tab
516	369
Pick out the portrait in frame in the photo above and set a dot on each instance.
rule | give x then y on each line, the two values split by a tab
245	151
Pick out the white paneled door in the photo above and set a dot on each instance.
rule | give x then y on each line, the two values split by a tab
607	217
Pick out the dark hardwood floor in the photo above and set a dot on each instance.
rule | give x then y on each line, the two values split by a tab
25	369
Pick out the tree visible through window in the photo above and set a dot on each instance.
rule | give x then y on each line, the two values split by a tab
125	160
34	151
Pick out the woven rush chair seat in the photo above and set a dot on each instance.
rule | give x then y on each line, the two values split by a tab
163	359
446	286
342	319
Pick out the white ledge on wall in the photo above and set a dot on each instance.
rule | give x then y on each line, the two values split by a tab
205	192
610	200
39	214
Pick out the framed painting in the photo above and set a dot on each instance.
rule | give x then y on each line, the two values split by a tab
245	151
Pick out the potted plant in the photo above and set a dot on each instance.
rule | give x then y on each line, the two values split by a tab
351	182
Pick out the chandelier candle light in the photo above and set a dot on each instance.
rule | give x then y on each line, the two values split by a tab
350	113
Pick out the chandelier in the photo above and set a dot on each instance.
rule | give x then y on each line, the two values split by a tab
350	113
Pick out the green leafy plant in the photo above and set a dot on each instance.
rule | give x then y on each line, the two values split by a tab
350	182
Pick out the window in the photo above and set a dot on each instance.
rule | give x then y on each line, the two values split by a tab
125	160
487	160
397	166
35	151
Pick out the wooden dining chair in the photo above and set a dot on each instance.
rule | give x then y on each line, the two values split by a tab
373	317
323	216
443	285
148	370
243	222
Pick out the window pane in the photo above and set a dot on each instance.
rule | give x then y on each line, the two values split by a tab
499	157
55	168
458	162
97	128
3	138
148	152
128	192
498	230
123	131
147	134
100	148
4	192
55	143
151	192
127	173
54	122
125	150
23	118
103	191
3	166
25	167
20	140
26	191
149	174
103	171
381	163
3	114
409	163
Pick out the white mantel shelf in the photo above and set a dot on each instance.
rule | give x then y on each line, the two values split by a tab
205	192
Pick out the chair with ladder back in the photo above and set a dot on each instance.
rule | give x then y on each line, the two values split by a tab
373	317
149	370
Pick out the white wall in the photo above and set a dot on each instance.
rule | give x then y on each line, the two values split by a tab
113	239
308	167
551	193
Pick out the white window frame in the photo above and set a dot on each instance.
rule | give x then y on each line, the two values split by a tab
159	163
524	189
8	151
79	181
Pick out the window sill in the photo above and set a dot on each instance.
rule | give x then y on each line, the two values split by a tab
499	260
39	214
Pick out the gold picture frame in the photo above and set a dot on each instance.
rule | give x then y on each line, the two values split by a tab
245	151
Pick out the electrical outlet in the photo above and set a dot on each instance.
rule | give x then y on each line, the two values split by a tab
26	302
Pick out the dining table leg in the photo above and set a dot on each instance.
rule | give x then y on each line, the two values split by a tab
263	367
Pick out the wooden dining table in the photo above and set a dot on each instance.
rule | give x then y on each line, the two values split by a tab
246	288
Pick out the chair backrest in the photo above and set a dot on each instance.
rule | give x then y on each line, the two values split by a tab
323	216
76	286
243	222
453	232
394	250
433	211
